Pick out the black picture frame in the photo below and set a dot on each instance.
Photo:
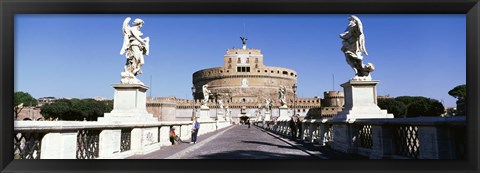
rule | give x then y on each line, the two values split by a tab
9	8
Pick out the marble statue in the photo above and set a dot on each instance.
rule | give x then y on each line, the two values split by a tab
135	48
244	82
268	104
227	111
353	45
220	103
282	95
206	95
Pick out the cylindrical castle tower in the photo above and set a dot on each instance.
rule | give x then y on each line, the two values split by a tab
245	78
333	99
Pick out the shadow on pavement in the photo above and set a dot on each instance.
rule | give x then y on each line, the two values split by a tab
269	144
253	154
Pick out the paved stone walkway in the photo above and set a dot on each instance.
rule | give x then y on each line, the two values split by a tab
241	142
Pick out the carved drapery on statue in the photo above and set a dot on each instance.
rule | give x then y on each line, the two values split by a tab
206	95
282	96
135	48
268	104
353	45
220	103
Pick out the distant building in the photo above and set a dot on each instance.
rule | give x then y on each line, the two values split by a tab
101	99
384	97
45	100
243	83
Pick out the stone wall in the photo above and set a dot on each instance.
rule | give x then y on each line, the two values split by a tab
30	113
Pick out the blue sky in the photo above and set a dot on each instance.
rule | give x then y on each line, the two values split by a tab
77	56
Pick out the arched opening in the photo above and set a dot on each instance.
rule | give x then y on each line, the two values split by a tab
244	119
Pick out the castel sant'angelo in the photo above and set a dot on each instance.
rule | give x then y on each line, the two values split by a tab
243	83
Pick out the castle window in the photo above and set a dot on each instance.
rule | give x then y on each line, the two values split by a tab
256	66
239	61
266	71
243	69
278	72
285	72
248	60
258	71
229	66
272	71
229	60
221	71
291	74
243	99
256	60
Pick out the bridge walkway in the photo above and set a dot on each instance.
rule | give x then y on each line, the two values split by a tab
241	142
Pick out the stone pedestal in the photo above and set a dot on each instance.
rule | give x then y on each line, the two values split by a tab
220	116
129	105
283	114
59	145
144	140
268	116
361	101
204	114
109	143
342	138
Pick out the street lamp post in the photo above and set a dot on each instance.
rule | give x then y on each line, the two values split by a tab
294	87
193	102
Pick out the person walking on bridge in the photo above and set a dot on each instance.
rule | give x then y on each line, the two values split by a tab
195	128
293	127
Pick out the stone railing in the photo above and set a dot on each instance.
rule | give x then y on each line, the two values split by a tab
97	140
402	138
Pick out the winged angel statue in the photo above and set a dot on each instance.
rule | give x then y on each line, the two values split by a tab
134	47
353	45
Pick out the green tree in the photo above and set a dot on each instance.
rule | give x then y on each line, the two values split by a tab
59	109
459	92
22	99
406	100
76	109
393	106
420	106
425	107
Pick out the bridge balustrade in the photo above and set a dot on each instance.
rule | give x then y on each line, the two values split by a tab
97	140
398	138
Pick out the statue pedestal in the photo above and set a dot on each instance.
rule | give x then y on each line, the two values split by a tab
129	105
283	114
268	116
204	114
220	116
361	101
227	116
